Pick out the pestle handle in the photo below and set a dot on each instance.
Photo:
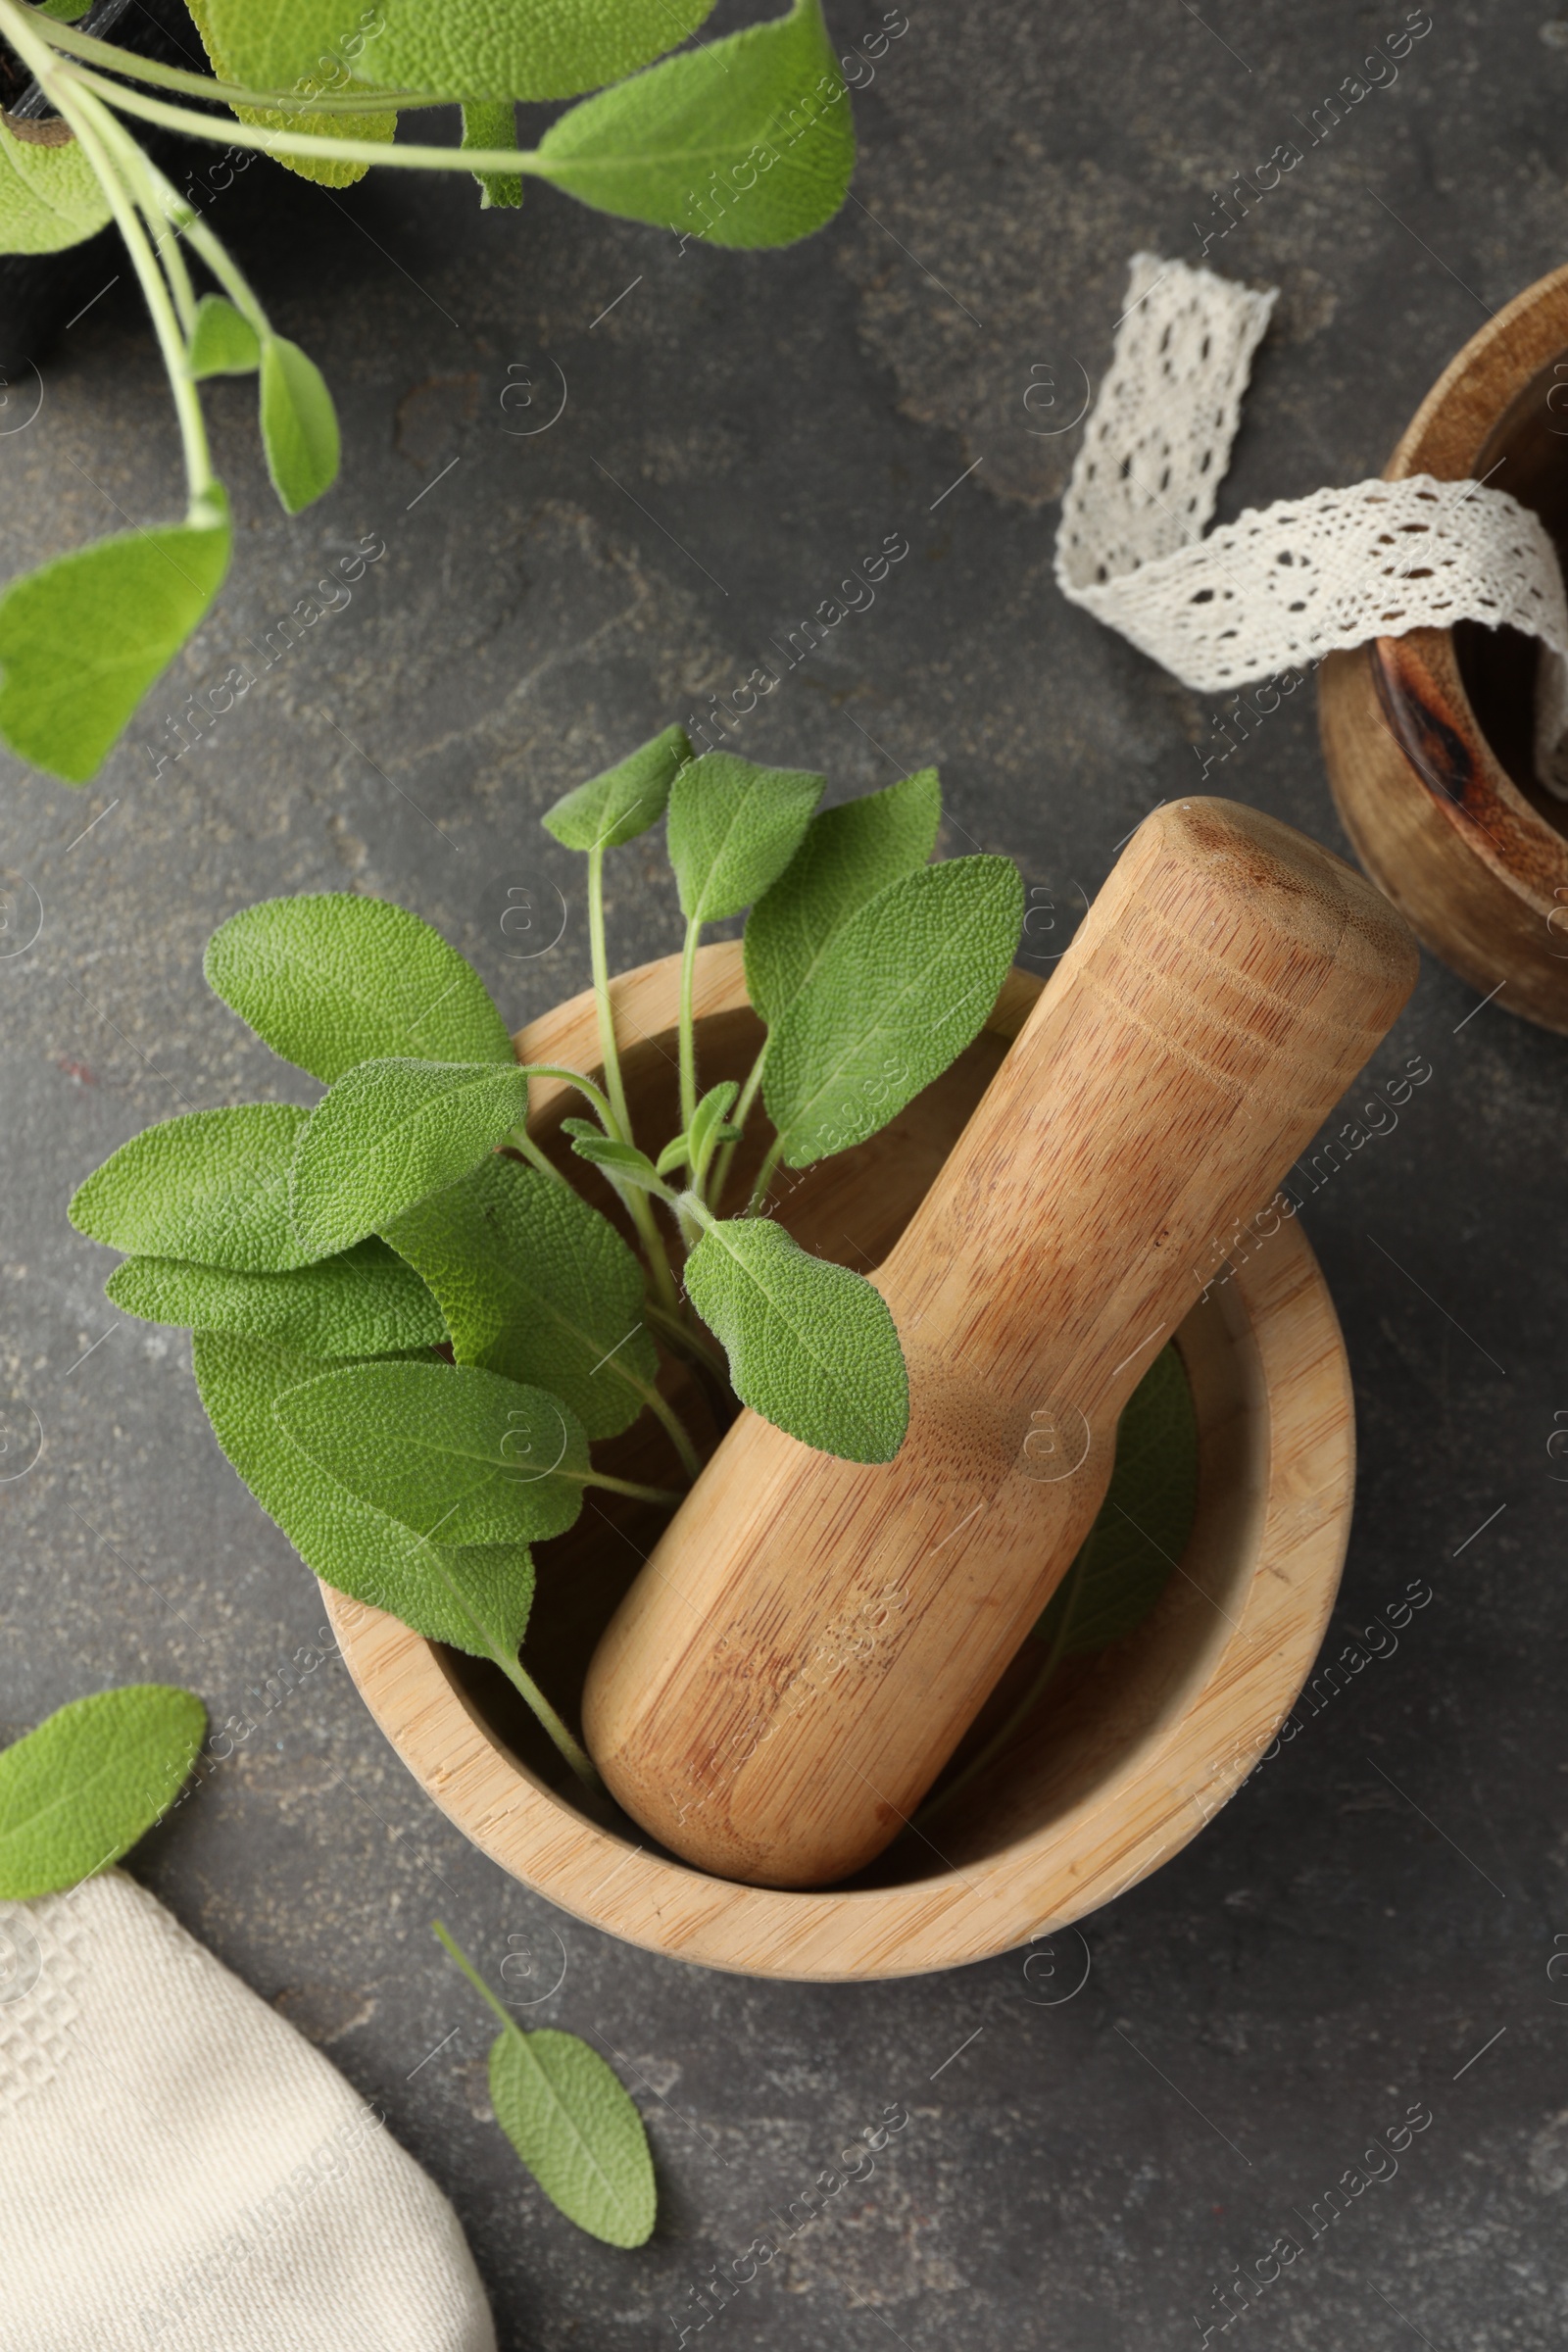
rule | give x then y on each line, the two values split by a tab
812	1638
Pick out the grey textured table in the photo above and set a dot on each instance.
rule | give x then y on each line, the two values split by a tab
1378	1905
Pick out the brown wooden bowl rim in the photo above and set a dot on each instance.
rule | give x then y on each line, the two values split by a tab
1156	1799
1419	672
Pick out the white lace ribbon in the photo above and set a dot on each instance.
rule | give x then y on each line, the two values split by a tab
1277	588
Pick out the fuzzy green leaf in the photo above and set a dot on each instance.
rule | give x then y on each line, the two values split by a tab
570	2119
849	855
80	1790
246	39
330	979
620	1161
389	1131
1131	1553
897	993
443	1593
811	1346
623	802
299	424
746	141
50	195
83	637
733	829
492	123
223	341
459	1455
708	1129
528	49
536	1285
369	1301
212	1185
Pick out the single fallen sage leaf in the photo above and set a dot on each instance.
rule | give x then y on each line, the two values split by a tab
211	1186
811	1346
330	979
78	1790
569	2118
367	1302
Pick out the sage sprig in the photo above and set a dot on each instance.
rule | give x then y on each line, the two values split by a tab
411	1331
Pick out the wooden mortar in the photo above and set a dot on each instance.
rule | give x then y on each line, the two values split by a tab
1135	1748
1428	737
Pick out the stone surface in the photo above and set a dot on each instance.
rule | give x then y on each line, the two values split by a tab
1378	1903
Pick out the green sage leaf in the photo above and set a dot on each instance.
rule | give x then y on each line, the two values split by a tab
246	40
299	424
459	1455
330	979
50	195
223	341
535	1284
811	1346
622	1161
80	1790
1131	1553
387	1133
83	637
709	1128
733	829
446	1593
212	1185
848	856
746	141
572	2123
367	1302
529	49
898	990
615	807
492	123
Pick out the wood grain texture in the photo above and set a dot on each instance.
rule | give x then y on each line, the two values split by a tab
1427	737
812	1638
1138	1745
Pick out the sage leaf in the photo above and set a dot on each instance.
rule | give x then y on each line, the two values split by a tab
493	123
447	1594
535	1284
50	195
387	1133
709	1128
1131	1553
572	2122
733	828
223	341
849	855
83	637
896	995
459	1455
299	424
367	1302
246	40
574	2126
622	1162
811	1346
330	979
615	807
80	1790
529	49
746	141
211	1185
